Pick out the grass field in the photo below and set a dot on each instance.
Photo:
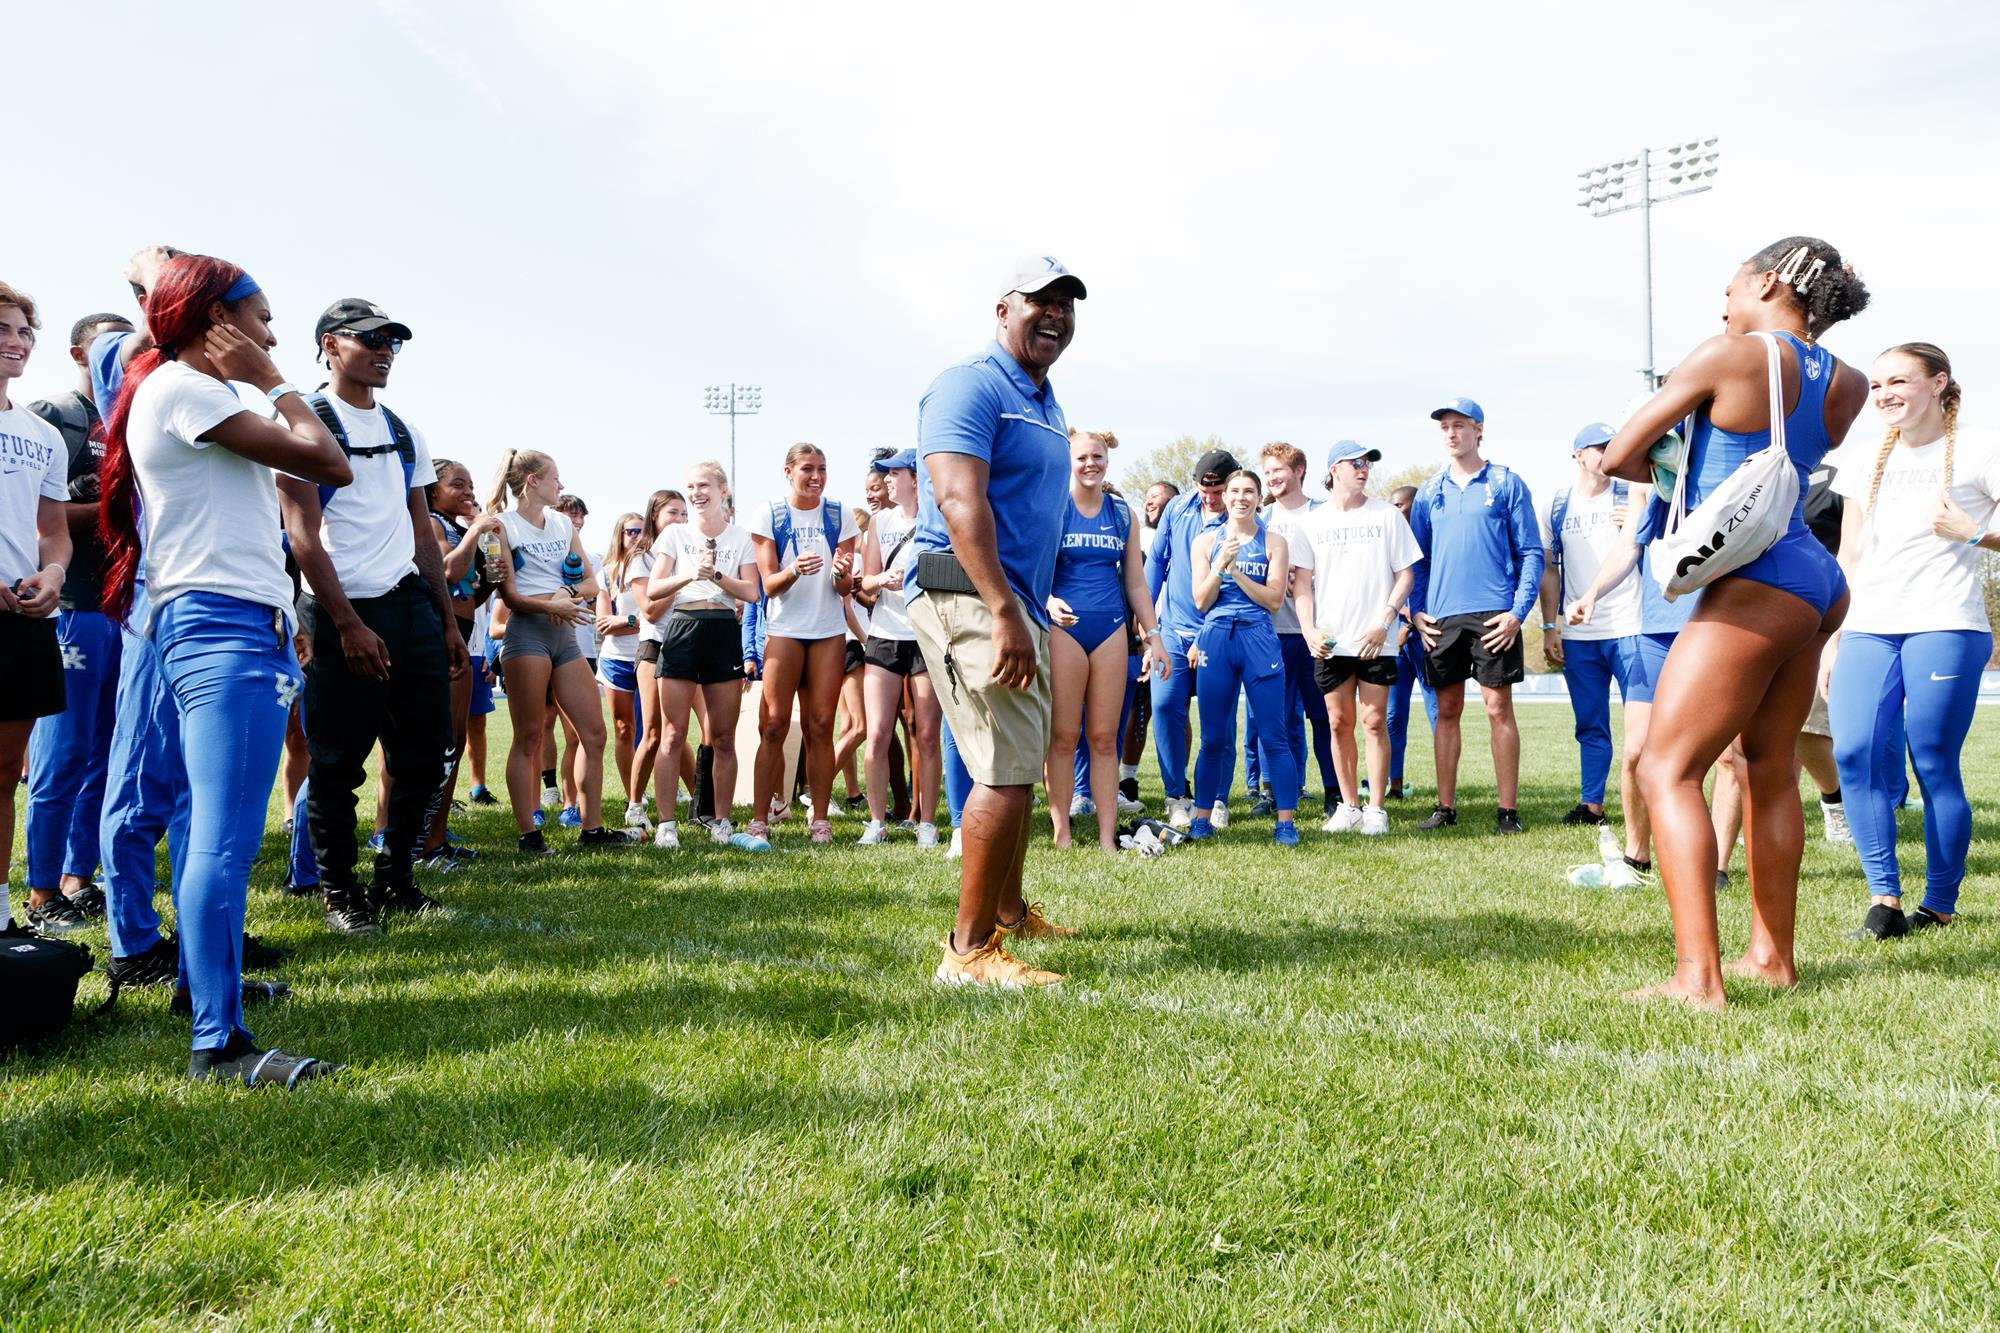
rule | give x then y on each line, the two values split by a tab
1368	1085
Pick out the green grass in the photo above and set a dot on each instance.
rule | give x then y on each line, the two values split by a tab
1368	1085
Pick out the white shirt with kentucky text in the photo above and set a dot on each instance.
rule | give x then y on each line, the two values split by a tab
34	466
1589	535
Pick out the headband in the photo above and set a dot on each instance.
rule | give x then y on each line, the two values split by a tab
242	287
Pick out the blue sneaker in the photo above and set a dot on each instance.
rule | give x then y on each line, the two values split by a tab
1200	828
1263	806
570	817
375	843
1286	833
483	796
749	842
539	818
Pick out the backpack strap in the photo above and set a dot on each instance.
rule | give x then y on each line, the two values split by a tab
1121	518
331	420
829	512
781	526
406	447
402	441
1558	511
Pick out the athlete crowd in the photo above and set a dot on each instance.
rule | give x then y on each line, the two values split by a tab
212	582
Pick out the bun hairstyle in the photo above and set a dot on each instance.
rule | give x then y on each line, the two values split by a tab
1825	288
177	313
802	450
1934	362
517	469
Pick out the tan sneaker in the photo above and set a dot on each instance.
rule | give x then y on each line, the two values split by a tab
990	965
1035	926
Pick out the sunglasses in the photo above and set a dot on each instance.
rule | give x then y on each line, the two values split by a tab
373	339
635	532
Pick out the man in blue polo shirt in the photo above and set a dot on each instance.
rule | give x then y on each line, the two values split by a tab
1481	572
1170	569
990	494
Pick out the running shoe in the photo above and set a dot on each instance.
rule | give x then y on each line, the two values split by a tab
484	796
1441	816
552	796
57	916
571	817
242	1061
295	888
927	836
1286	833
441	860
603	837
720	831
156	966
1883	922
259	956
1833	821
1914	802
376	842
1610	847
1396	792
1128	790
957	848
1035	925
990	965
405	897
1507	822
780	811
1583	814
349	912
1198	829
1374	821
872	834
1345	819
1081	806
1129	805
821	831
1180	811
666	835
1219	816
1925	919
751	841
88	900
635	816
1263	805
533	843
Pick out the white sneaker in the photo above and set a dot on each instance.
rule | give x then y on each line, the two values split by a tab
635	816
1374	821
1610	847
957	845
720	831
927	835
1347	818
1219	816
552	796
1128	806
1834	817
1080	806
872	834
666	835
1180	812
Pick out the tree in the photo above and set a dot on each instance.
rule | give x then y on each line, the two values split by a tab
1416	474
1173	461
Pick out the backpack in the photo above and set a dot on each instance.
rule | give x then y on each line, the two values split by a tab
403	442
37	985
781	526
1621	493
1499	486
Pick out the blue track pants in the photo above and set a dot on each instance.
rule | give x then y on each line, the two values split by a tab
1241	657
69	753
145	793
1589	668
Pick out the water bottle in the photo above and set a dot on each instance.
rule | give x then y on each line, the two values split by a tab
572	568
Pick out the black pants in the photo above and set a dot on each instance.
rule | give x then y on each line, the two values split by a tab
345	714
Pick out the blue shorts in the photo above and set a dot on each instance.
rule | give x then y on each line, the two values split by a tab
1647	663
616	674
1799	565
1094	625
482	688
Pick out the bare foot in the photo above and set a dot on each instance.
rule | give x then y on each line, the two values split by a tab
1771	972
1676	990
1062	842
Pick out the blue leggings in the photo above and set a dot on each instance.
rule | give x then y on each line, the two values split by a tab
1409	671
1589	668
145	794
1170	713
1242	656
957	778
1937	675
69	753
1305	704
234	678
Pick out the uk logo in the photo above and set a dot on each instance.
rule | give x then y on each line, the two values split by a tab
72	657
288	689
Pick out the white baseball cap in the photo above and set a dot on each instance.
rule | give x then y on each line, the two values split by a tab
1034	272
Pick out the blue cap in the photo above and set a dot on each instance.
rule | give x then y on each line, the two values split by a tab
1347	449
1464	407
906	458
1594	436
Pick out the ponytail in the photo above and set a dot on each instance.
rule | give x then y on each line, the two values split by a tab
516	469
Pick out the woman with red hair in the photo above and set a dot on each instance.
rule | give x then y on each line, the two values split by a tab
183	446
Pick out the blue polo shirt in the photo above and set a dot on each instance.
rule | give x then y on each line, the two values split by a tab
1170	565
987	407
1482	546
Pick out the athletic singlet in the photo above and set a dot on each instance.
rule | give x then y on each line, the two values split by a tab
538	552
1253	561
1090	563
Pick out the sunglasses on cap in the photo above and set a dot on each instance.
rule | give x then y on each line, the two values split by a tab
373	339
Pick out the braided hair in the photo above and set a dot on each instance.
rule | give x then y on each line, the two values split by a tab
1934	362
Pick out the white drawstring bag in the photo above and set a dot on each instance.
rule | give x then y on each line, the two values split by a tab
1742	518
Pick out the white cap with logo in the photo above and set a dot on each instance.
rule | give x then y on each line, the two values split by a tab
1034	272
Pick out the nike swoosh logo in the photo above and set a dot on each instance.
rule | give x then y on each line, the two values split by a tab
1936	676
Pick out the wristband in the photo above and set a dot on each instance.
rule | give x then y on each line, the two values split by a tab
64	572
1551	624
283	388
1388	624
1977	538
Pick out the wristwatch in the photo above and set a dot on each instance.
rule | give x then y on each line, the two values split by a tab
632	622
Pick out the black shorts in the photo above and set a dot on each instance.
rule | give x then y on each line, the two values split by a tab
1330	673
852	658
898	655
649	650
31	664
705	647
1460	655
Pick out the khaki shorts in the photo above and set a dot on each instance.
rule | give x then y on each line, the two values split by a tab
1001	733
1816	723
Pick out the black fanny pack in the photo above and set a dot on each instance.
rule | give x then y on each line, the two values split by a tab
37	985
939	571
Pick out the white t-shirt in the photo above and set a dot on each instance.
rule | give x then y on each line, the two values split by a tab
1909	580
34	465
538	552
1355	556
810	608
1285	522
586	633
625	601
366	526
480	645
1589	535
683	545
891	616
212	521
638	573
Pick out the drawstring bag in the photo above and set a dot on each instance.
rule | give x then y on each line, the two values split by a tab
1742	518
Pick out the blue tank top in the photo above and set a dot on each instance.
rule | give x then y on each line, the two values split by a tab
1714	453
1090	561
1253	561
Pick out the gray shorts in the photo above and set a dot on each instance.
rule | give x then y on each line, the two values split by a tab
539	636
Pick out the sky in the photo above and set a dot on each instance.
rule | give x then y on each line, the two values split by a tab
1297	222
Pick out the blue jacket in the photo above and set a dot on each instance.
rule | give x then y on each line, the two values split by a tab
1482	547
1170	563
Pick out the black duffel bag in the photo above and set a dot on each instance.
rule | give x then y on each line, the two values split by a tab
37	985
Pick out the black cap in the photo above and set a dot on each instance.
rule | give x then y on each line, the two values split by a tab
362	316
1215	463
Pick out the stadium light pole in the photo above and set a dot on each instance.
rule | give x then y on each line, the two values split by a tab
1679	169
733	401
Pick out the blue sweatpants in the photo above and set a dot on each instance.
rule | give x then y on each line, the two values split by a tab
1409	671
1170	713
1241	657
1305	704
69	753
957	778
234	678
304	864
145	793
1936	675
1589	667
